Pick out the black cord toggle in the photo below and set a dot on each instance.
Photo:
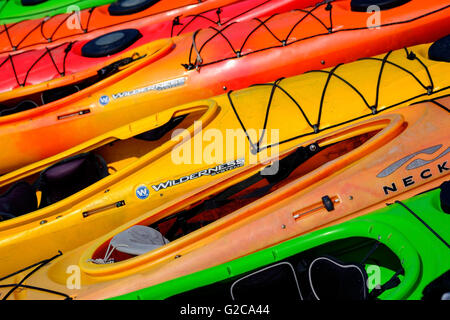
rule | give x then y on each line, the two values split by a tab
188	67
411	55
68	48
374	110
114	67
176	21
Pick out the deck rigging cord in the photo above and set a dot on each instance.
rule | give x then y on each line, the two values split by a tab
55	56
84	15
316	125
61	70
326	6
20	284
219	21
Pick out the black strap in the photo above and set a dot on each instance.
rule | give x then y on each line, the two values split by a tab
393	282
6	216
371	251
114	67
285	167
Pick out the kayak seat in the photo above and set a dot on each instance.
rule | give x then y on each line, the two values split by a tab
126	7
69	176
22	106
363	5
59	93
331	279
445	197
440	50
138	240
18	200
110	43
32	2
132	242
438	289
276	281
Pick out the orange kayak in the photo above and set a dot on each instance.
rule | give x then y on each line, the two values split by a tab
203	64
92	22
67	200
80	58
356	170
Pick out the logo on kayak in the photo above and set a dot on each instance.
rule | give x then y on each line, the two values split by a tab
424	174
414	164
142	192
104	100
154	87
207	172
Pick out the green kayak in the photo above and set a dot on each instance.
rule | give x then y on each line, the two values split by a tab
12	11
399	252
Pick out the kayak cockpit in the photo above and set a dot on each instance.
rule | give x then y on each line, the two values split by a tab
192	218
47	186
353	268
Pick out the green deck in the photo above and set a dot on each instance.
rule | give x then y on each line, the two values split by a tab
12	11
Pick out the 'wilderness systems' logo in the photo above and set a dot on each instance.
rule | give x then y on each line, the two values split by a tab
104	100
161	86
415	164
142	192
232	165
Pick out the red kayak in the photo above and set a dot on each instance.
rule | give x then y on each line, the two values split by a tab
95	21
39	65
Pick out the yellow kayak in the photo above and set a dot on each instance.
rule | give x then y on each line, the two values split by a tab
335	176
139	167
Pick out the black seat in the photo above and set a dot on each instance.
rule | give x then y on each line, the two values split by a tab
21	106
363	5
445	197
278	281
32	2
18	200
331	279
440	50
126	7
70	176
